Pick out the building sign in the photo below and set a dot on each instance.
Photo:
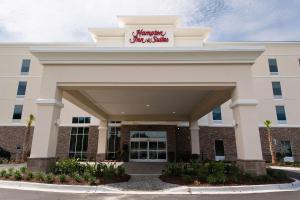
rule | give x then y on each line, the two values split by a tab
141	37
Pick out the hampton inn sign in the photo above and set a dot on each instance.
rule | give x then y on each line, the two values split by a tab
151	36
147	87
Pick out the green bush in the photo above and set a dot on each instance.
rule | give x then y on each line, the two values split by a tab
87	176
62	178
40	176
29	176
216	178
3	173
77	177
92	180
50	178
187	178
17	175
68	167
277	174
23	170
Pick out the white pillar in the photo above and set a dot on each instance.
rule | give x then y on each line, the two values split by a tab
44	142
102	141
195	143
249	152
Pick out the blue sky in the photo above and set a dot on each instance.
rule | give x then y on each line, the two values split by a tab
68	20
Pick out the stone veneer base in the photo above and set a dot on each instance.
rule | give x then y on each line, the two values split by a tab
41	164
254	167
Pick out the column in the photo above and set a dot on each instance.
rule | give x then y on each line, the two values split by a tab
195	143
102	141
247	136
44	142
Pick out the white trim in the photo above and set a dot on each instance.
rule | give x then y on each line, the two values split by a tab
49	102
243	102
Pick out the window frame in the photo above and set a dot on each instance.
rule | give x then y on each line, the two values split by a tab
274	89
281	121
14	112
271	66
24	66
19	89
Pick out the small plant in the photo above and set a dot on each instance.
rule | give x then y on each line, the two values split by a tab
11	171
29	176
62	178
92	180
3	173
17	175
87	176
77	177
50	178
68	167
23	170
40	176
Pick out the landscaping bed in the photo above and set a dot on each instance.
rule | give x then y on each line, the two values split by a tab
217	173
70	172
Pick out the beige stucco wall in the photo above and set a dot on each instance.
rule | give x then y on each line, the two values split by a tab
287	56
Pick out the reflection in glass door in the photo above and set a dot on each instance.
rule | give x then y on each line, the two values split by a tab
148	146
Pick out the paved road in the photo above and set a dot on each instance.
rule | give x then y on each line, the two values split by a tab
6	194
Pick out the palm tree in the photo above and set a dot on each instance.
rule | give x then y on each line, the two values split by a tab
270	138
26	150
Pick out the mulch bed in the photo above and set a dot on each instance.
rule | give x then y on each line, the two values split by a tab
71	181
179	181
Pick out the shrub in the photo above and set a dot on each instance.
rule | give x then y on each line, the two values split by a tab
11	171
187	178
77	177
40	176
17	175
29	176
277	174
50	178
109	171
68	167
87	176
3	173
62	178
217	178
92	180
120	171
23	170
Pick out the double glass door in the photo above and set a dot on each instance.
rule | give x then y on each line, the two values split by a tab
148	146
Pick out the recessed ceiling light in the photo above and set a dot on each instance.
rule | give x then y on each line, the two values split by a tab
173	112
123	112
147	105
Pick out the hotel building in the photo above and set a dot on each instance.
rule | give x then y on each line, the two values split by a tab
151	91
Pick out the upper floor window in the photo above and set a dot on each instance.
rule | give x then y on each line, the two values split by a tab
81	120
21	89
18	109
276	86
273	66
217	114
25	66
281	116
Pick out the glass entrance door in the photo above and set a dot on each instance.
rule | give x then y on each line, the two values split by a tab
148	146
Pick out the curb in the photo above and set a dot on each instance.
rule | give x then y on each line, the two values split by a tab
246	189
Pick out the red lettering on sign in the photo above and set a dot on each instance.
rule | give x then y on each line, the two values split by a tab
155	36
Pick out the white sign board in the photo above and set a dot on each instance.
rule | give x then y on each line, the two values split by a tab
149	37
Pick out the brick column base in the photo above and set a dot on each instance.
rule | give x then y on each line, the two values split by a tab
254	167
40	164
100	157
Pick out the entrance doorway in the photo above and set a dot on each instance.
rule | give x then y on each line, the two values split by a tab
148	146
219	150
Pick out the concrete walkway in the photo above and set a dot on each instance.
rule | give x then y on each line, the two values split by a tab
143	168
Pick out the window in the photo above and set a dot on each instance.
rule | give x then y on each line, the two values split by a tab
276	86
273	66
25	66
280	112
18	112
219	149
79	142
21	89
286	148
217	114
81	120
114	141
